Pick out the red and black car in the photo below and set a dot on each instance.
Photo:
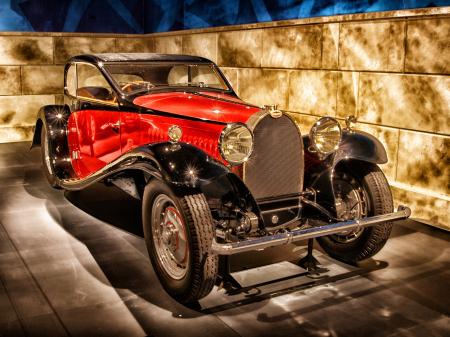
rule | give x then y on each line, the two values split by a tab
216	176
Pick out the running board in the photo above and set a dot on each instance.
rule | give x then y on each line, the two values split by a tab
231	248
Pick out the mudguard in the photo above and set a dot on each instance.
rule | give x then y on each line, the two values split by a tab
184	167
355	145
53	118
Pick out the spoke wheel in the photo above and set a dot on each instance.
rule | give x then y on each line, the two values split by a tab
170	237
361	190
178	233
351	203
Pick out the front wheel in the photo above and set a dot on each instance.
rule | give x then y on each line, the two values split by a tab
361	190
178	233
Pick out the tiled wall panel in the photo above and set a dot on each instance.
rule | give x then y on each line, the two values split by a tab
204	45
10	80
376	46
418	102
26	50
65	47
296	47
389	70
428	46
42	80
313	92
240	48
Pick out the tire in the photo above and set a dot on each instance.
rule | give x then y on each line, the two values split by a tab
47	165
376	200
187	271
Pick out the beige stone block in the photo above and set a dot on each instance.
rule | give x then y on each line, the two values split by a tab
42	80
419	102
304	122
22	110
424	161
389	138
424	207
66	47
347	94
313	92
204	45
168	44
330	46
240	48
428	46
9	80
25	50
294	47
262	86
16	134
134	45
372	46
232	76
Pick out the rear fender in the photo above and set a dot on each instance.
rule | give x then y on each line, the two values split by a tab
53	118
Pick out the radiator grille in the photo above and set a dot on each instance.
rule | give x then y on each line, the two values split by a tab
275	167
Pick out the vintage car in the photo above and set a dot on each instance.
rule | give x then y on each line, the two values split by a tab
216	176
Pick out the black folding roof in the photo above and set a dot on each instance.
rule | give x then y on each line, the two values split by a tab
138	57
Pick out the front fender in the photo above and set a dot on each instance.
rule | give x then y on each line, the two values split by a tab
361	146
355	145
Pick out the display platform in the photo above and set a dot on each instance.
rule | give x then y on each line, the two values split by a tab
75	263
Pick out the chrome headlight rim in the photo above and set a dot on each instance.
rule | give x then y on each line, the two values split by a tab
223	134
314	130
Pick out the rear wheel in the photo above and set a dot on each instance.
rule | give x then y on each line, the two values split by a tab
178	233
361	190
46	158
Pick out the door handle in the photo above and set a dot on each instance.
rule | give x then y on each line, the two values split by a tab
115	127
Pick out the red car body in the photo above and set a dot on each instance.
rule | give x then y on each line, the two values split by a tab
93	135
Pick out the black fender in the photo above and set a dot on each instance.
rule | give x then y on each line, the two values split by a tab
53	118
184	167
355	145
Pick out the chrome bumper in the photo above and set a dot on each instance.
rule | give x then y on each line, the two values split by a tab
403	212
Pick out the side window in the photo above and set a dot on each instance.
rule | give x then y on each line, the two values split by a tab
71	80
92	84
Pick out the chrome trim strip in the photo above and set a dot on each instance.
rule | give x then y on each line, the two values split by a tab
127	161
403	212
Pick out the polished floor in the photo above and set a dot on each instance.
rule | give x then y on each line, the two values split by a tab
75	264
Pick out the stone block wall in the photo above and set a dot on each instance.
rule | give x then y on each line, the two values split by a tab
390	69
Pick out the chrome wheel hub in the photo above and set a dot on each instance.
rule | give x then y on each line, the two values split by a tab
350	204
170	237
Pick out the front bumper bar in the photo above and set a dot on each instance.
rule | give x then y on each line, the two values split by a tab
403	212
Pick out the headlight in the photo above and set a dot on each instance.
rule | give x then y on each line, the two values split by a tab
236	143
325	135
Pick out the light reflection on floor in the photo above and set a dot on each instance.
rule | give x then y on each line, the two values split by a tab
76	264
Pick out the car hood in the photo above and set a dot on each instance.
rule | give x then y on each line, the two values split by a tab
204	105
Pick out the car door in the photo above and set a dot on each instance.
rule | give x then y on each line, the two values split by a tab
96	116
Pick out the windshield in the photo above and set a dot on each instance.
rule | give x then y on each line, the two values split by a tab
134	78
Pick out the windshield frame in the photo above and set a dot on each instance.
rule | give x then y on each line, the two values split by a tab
159	88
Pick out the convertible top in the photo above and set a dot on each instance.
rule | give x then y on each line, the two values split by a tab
138	57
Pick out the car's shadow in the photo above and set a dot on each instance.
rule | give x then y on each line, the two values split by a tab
113	207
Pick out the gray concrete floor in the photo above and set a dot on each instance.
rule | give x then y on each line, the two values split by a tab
76	264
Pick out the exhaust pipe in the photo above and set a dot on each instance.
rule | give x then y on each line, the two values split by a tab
231	248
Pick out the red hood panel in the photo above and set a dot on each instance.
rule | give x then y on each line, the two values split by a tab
207	106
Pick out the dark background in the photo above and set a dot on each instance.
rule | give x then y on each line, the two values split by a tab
148	16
